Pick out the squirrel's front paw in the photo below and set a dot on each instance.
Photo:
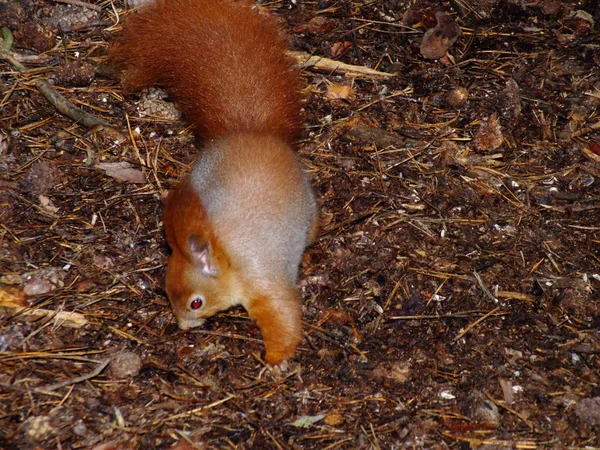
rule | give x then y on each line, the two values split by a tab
278	370
275	370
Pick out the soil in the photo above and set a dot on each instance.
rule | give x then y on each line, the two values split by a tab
452	299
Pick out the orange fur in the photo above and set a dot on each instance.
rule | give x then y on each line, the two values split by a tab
239	222
237	226
223	62
279	317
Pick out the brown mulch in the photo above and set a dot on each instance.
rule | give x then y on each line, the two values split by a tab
452	299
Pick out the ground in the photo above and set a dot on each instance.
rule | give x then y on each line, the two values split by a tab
452	299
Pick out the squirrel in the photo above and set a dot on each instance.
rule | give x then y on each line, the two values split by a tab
239	222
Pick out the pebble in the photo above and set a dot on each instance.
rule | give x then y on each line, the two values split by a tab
588	411
124	364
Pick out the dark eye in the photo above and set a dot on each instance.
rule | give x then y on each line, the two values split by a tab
196	303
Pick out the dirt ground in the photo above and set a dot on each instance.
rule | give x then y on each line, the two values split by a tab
452	299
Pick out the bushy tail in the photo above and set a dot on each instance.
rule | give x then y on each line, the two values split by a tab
223	62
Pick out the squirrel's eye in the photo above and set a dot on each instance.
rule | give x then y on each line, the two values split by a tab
196	303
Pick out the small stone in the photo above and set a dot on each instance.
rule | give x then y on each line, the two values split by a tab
588	411
38	428
79	428
399	372
457	96
481	409
13	336
43	281
124	364
40	178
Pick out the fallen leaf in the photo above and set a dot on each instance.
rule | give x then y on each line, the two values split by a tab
316	25
583	15
337	316
12	297
362	130
334	419
438	40
594	147
339	47
489	137
3	143
14	300
339	92
399	372
306	421
123	171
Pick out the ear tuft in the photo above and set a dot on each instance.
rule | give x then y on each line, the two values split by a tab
202	255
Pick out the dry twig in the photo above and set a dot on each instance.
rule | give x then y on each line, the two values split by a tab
474	324
101	366
14	300
321	64
62	105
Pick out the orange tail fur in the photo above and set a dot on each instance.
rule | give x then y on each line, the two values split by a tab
224	64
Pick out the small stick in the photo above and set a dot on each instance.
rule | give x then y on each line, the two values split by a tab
516	296
101	366
14	300
58	101
5	53
510	410
65	318
201	408
483	287
460	315
320	64
76	114
586	130
477	322
12	387
67	108
11	59
31	59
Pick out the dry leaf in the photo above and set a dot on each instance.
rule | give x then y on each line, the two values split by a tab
316	25
14	300
339	47
489	137
440	38
307	421
334	419
339	92
12	297
123	171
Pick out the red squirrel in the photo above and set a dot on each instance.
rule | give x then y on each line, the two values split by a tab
237	224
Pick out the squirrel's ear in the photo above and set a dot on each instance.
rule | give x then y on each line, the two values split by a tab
201	253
